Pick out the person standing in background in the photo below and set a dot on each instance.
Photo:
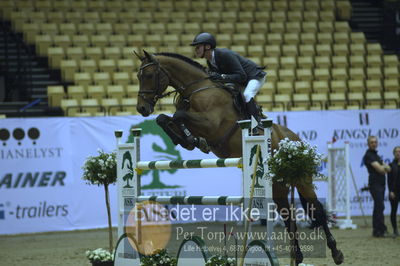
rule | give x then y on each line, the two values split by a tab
394	188
377	170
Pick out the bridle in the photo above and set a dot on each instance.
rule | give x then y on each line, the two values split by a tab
156	80
158	94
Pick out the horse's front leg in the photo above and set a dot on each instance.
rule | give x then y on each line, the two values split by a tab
196	126
173	131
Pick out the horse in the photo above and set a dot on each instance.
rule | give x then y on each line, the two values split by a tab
206	118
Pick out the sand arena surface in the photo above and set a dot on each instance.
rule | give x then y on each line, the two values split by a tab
68	248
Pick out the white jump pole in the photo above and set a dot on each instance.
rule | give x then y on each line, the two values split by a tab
129	168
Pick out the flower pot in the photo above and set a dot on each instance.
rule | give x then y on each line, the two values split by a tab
103	263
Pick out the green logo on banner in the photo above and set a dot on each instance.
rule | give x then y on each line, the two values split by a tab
129	176
260	166
150	127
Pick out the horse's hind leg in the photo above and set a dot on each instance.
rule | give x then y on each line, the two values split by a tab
319	218
280	196
305	206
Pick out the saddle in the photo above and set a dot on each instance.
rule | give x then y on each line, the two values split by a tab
239	101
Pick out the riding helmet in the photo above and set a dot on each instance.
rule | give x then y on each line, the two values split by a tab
204	38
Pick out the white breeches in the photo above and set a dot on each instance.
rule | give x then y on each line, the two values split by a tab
252	88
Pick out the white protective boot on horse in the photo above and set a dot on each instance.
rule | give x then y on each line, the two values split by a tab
181	135
172	130
191	140
253	111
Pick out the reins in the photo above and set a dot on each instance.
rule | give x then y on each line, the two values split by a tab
179	89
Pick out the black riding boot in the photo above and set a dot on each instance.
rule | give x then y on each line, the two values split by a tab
252	110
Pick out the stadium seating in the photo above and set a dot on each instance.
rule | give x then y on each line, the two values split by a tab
313	59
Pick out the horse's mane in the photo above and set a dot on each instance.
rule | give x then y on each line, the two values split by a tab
178	101
185	59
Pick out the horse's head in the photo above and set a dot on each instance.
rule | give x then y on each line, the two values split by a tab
153	81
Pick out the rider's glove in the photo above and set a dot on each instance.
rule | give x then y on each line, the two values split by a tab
216	76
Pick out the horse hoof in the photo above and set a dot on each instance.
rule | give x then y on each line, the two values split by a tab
299	258
189	147
203	146
338	258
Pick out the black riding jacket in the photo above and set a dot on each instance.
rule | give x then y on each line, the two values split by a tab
236	68
394	177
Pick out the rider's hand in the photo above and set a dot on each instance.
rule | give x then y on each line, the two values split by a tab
392	195
215	76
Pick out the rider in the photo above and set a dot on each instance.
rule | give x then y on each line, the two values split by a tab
228	66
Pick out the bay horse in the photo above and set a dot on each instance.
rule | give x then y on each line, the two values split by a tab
206	118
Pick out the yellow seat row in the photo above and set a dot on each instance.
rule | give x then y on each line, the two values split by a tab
57	54
30	29
312	85
79	92
277	102
335	67
168	16
228	39
357	54
102	78
329	67
325	73
285	96
120	31
330	101
120	70
277	50
251	50
181	5
336	51
120	44
282	101
106	106
285	69
109	43
167	42
353	61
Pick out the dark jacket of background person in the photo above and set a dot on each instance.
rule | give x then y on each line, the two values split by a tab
394	188
374	176
393	177
376	183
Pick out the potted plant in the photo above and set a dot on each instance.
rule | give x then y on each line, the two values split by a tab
220	261
295	162
159	257
101	170
100	257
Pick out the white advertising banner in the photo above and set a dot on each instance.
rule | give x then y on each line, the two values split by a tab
354	127
41	158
